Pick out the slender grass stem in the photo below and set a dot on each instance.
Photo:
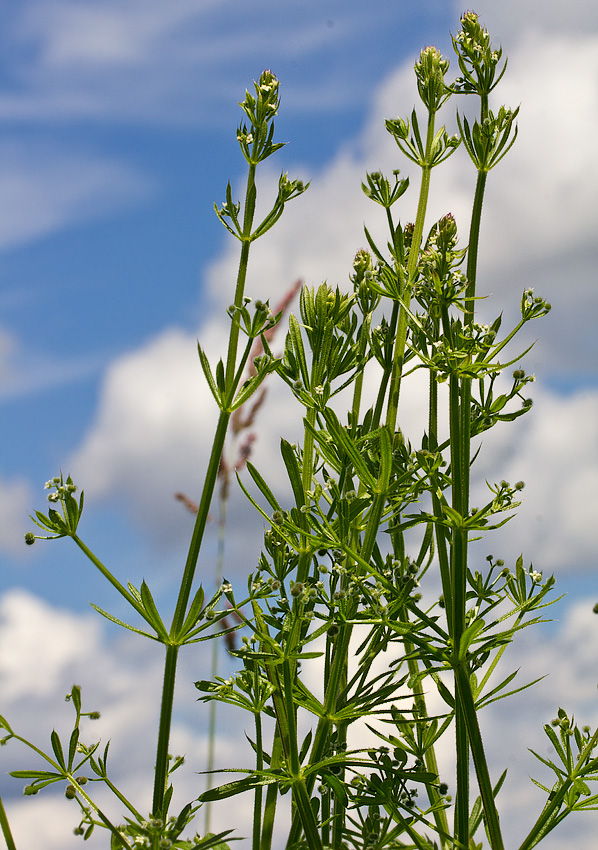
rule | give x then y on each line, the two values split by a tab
269	816
5	826
257	801
465	697
204	507
164	730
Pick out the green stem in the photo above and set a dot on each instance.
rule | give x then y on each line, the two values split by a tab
310	828
161	775
5	826
108	575
216	648
465	698
472	251
204	507
401	337
271	795
458	604
431	763
257	803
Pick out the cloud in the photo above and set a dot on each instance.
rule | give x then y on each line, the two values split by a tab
507	21
554	450
147	60
539	206
153	429
43	649
46	190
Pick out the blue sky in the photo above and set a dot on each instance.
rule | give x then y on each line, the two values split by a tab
117	134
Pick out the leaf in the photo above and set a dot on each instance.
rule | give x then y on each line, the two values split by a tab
153	617
194	612
338	787
57	747
469	636
293	471
340	435
486	699
475	818
205	365
214	841
36	774
220	379
4	724
297	341
239	786
263	487
305	746
121	623
73	746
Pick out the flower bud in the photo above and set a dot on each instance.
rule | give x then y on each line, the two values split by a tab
430	71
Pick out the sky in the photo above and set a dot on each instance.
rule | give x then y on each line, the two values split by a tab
117	134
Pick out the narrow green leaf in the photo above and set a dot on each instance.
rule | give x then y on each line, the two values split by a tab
4	724
263	487
121	623
338	433
154	618
239	786
297	340
73	747
205	365
338	787
35	774
293	471
194	612
385	459
57	747
220	379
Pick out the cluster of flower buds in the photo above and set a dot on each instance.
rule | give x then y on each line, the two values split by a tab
478	60
533	307
61	488
256	140
429	71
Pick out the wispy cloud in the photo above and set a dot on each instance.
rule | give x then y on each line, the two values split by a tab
45	189
173	62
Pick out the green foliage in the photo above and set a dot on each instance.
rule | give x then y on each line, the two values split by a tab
372	523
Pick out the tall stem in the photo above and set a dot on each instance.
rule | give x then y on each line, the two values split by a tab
5	826
401	338
202	513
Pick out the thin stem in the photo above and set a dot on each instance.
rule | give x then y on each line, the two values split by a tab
204	507
465	697
108	575
271	795
401	337
216	648
161	775
5	826
431	763
259	765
